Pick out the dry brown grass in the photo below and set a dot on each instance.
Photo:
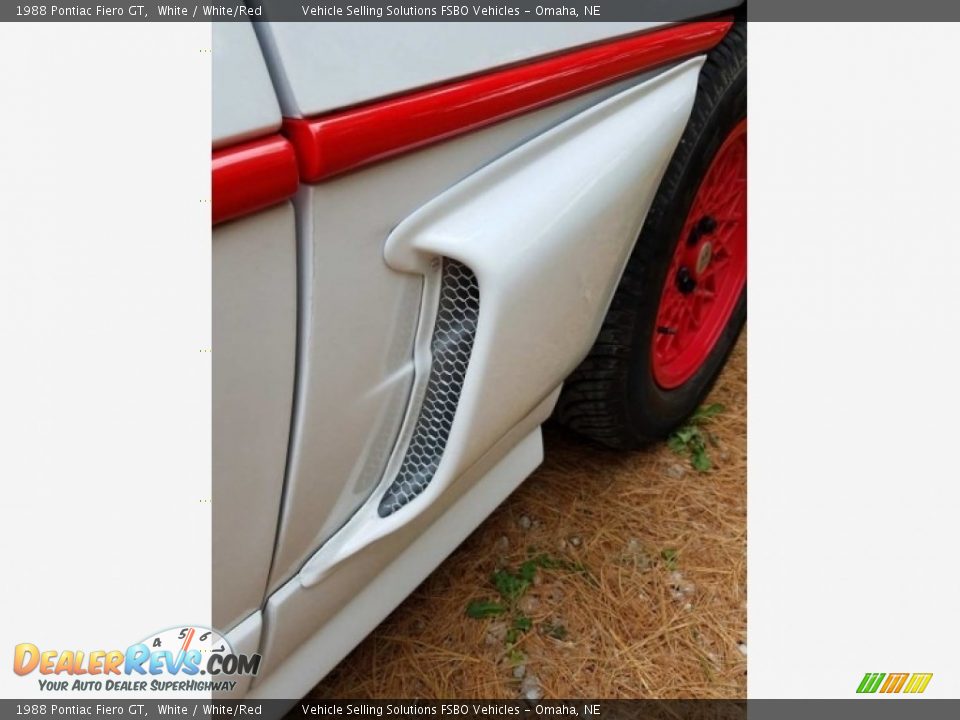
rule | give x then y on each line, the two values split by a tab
638	624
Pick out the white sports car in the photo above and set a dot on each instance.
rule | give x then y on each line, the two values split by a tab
429	238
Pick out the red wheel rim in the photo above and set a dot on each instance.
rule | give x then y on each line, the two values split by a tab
709	268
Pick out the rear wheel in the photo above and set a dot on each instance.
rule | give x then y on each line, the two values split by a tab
682	299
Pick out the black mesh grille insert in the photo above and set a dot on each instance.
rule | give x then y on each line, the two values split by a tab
453	335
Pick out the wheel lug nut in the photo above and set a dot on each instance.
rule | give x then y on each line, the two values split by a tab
686	283
707	225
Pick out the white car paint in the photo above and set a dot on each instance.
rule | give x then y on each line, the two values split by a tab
254	336
547	262
359	358
244	103
254	339
322	66
547	266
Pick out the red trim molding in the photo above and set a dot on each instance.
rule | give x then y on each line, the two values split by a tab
341	141
251	176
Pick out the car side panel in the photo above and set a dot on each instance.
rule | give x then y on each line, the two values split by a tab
254	339
358	321
547	262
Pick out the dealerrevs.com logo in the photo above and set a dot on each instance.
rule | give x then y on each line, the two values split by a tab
178	659
910	683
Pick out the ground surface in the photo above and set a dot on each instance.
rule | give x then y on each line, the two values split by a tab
605	575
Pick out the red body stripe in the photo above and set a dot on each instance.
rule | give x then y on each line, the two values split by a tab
251	176
341	141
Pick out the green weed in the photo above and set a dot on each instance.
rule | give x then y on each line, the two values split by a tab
691	439
511	586
478	609
670	558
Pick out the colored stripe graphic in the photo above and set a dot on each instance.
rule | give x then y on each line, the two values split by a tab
918	683
348	139
870	682
895	682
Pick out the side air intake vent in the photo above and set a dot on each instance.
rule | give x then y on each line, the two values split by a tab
450	347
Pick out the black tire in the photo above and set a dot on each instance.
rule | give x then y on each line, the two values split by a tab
612	396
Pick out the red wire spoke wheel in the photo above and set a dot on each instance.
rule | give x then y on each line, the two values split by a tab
709	268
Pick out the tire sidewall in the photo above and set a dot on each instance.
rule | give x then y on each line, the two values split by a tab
664	409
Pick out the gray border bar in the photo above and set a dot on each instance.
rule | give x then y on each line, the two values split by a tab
872	708
489	11
359	10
